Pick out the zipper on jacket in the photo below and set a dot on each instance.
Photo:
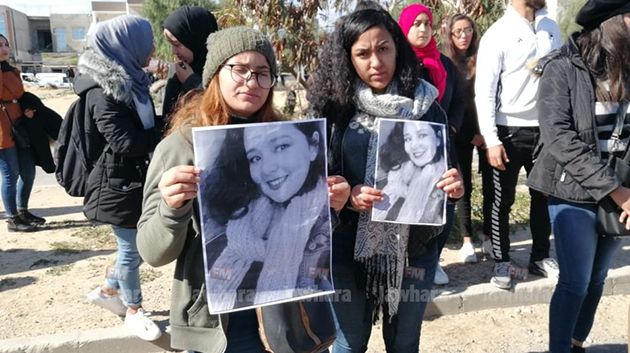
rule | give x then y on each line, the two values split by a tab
563	176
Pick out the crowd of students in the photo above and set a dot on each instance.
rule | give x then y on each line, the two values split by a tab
516	94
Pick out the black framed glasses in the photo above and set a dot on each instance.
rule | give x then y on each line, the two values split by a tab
242	74
458	32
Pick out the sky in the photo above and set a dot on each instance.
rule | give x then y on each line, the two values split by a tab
45	7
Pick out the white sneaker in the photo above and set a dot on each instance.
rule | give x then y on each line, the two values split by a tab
142	326
467	253
486	247
546	267
109	302
502	275
440	276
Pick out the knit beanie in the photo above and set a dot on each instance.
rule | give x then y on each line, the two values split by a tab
228	42
594	12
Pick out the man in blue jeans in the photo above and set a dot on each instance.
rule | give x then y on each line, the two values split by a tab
506	106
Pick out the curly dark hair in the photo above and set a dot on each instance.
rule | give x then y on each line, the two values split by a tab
392	153
331	92
230	188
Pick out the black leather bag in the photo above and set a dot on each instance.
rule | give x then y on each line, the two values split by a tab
20	136
305	326
607	210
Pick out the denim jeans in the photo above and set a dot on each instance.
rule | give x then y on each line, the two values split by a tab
442	238
27	177
353	312
584	258
10	169
125	276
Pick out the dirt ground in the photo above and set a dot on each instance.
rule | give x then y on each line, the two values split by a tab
45	275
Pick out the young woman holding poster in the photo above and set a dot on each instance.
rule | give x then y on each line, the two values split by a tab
238	77
375	74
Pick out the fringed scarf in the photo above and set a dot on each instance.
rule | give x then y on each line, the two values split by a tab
270	233
382	247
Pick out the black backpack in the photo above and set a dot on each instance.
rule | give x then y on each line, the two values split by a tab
72	165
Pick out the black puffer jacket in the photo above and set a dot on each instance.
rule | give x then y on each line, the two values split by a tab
569	165
118	146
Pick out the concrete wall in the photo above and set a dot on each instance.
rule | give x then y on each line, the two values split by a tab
70	22
17	32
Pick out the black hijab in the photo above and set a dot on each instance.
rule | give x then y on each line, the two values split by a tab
191	25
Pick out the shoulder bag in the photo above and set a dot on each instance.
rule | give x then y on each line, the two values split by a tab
20	136
304	326
607	210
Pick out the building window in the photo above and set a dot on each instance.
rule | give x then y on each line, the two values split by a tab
3	26
78	33
60	36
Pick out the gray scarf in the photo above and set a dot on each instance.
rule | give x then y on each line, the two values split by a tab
382	247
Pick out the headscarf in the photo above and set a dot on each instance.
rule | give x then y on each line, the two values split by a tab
191	25
429	55
4	65
128	41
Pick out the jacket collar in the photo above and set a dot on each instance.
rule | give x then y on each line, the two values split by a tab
107	74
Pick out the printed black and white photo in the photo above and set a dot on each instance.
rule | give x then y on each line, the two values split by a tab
265	211
411	160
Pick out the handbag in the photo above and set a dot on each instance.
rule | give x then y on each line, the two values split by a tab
19	133
607	210
304	326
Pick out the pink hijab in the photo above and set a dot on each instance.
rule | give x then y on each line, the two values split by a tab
429	55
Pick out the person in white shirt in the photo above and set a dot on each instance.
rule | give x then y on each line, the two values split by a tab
506	105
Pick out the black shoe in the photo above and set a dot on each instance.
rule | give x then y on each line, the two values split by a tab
30	218
576	349
16	224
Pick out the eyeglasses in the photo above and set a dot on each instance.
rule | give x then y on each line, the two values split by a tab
242	74
458	32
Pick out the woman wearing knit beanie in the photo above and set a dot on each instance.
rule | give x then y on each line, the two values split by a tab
238	78
416	22
585	87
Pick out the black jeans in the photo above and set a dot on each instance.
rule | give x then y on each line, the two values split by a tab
519	144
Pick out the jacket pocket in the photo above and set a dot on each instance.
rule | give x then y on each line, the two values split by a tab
198	314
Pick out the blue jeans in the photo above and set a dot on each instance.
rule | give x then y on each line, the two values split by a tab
584	258
27	177
125	276
442	238
353	310
10	169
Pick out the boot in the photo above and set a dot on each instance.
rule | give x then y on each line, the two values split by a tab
28	217
16	224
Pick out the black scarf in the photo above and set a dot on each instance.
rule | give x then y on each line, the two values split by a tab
6	67
191	25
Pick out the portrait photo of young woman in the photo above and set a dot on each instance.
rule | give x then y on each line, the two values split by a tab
410	163
265	212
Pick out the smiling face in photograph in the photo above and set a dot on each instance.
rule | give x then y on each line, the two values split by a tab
279	159
421	143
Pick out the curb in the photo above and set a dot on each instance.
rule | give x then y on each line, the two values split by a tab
449	301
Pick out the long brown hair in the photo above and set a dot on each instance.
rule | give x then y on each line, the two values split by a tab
208	108
466	67
604	50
